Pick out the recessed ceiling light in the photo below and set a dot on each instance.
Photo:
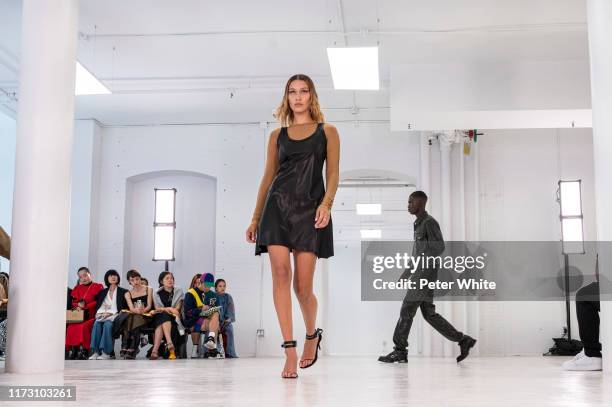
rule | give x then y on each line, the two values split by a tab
354	68
369	209
87	84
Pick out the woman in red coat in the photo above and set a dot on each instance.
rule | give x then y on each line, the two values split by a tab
78	336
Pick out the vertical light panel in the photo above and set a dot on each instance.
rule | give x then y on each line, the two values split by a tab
569	193
570	202
164	224
164	243
164	205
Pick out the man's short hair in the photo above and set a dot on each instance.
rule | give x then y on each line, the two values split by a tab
419	194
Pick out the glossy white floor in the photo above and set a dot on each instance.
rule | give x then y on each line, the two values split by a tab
333	381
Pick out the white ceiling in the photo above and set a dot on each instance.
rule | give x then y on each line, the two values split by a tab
179	61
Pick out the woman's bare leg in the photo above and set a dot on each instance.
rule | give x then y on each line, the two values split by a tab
157	338
195	338
304	265
167	328
213	323
281	292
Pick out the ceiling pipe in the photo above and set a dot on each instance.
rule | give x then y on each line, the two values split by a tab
566	26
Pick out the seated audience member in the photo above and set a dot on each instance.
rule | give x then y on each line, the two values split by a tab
587	313
168	300
78	335
4	283
4	288
210	312
140	302
192	308
226	317
144	340
68	307
109	302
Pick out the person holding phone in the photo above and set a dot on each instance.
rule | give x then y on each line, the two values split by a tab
109	302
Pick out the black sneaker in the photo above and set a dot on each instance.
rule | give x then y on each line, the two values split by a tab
210	343
83	354
465	344
396	356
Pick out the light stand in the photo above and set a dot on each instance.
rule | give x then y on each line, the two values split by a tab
569	197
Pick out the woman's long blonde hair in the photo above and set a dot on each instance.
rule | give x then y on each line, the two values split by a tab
284	114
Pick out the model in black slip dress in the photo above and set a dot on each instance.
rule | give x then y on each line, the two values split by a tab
292	213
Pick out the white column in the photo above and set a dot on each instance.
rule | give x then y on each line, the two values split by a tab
41	202
445	185
600	31
473	307
424	185
460	232
446	144
424	164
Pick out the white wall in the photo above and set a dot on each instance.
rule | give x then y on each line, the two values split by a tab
83	186
518	174
231	154
514	94
234	155
83	195
519	170
8	137
352	326
195	231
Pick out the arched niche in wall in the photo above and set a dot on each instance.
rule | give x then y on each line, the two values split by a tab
195	224
342	308
362	186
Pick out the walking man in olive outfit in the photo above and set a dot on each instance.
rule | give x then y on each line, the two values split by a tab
428	241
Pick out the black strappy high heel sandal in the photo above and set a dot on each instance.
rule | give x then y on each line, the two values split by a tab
289	344
318	333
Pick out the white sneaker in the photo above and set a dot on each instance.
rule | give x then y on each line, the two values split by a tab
584	363
579	355
94	356
194	352
103	356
